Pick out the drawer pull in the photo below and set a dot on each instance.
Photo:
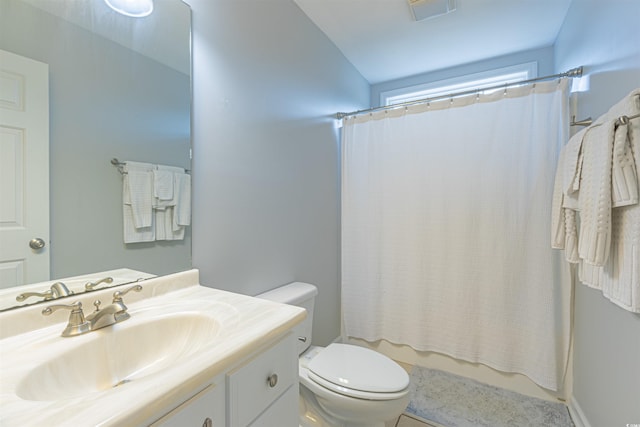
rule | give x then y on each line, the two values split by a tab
207	422
272	380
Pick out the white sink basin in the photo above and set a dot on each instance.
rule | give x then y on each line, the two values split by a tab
117	355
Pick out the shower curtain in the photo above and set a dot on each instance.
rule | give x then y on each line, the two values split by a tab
445	218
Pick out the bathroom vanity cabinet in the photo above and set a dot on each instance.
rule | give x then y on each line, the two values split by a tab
259	390
188	355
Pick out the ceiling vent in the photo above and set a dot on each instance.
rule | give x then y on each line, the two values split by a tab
426	9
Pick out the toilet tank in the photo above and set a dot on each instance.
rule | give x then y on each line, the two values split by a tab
301	295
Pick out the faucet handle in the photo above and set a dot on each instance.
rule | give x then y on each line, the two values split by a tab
117	300
56	290
47	295
89	286
77	324
117	295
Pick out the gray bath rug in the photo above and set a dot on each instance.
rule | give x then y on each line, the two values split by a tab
454	401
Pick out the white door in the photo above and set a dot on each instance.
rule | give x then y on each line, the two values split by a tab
24	170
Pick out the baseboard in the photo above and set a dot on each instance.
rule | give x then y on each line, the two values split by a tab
578	417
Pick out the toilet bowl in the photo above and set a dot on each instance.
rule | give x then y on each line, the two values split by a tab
342	385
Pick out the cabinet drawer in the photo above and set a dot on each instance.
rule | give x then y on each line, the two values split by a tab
249	388
281	412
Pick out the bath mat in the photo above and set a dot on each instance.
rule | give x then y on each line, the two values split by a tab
455	401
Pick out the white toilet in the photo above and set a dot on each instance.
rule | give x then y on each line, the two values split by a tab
342	385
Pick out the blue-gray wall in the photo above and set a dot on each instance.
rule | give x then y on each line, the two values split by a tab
266	151
603	36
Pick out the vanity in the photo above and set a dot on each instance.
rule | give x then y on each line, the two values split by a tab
188	355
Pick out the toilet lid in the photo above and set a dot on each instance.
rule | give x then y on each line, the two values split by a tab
358	368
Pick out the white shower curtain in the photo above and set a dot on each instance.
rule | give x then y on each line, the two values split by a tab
445	218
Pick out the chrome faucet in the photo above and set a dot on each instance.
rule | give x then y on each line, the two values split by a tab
57	290
79	324
90	286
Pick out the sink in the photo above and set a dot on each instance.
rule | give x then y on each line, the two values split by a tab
115	356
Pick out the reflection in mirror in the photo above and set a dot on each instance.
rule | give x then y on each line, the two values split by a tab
119	87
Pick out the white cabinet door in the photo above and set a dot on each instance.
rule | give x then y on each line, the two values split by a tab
205	409
256	384
282	413
24	170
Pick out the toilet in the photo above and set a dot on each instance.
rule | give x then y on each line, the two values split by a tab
341	385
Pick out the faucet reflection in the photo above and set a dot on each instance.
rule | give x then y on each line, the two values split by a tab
57	290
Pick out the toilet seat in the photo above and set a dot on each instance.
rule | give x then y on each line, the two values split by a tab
358	372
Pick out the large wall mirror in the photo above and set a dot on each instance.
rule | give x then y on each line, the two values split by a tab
119	87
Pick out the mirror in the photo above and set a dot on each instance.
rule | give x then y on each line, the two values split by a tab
119	87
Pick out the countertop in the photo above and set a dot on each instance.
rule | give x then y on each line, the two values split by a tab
247	324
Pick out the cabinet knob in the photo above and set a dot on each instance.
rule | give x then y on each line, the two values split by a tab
207	422
272	380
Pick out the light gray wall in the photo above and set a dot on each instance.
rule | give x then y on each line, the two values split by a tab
105	101
603	36
266	150
543	56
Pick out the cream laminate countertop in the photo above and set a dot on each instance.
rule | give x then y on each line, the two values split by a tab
246	325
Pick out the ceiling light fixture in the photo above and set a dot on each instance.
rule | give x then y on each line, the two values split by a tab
133	8
426	9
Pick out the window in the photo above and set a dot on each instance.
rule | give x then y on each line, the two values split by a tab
460	84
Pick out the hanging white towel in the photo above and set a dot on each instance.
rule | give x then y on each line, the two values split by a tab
619	275
182	211
165	195
163	184
164	225
137	202
594	200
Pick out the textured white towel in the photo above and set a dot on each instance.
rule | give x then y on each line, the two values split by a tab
182	211
169	172
163	184
164	225
137	202
619	275
624	175
594	199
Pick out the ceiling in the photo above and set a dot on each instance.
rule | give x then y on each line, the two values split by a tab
384	42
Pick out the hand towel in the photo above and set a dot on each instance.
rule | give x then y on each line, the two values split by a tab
167	172
164	225
594	239
137	202
624	176
182	210
163	184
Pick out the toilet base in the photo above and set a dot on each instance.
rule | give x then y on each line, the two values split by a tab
311	414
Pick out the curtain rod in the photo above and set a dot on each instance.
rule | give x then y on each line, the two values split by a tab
574	72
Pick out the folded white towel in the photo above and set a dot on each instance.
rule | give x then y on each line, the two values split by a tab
624	175
594	199
182	211
163	184
133	234
167	173
137	202
164	225
602	177
572	163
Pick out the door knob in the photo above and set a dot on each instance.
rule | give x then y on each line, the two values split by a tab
36	243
